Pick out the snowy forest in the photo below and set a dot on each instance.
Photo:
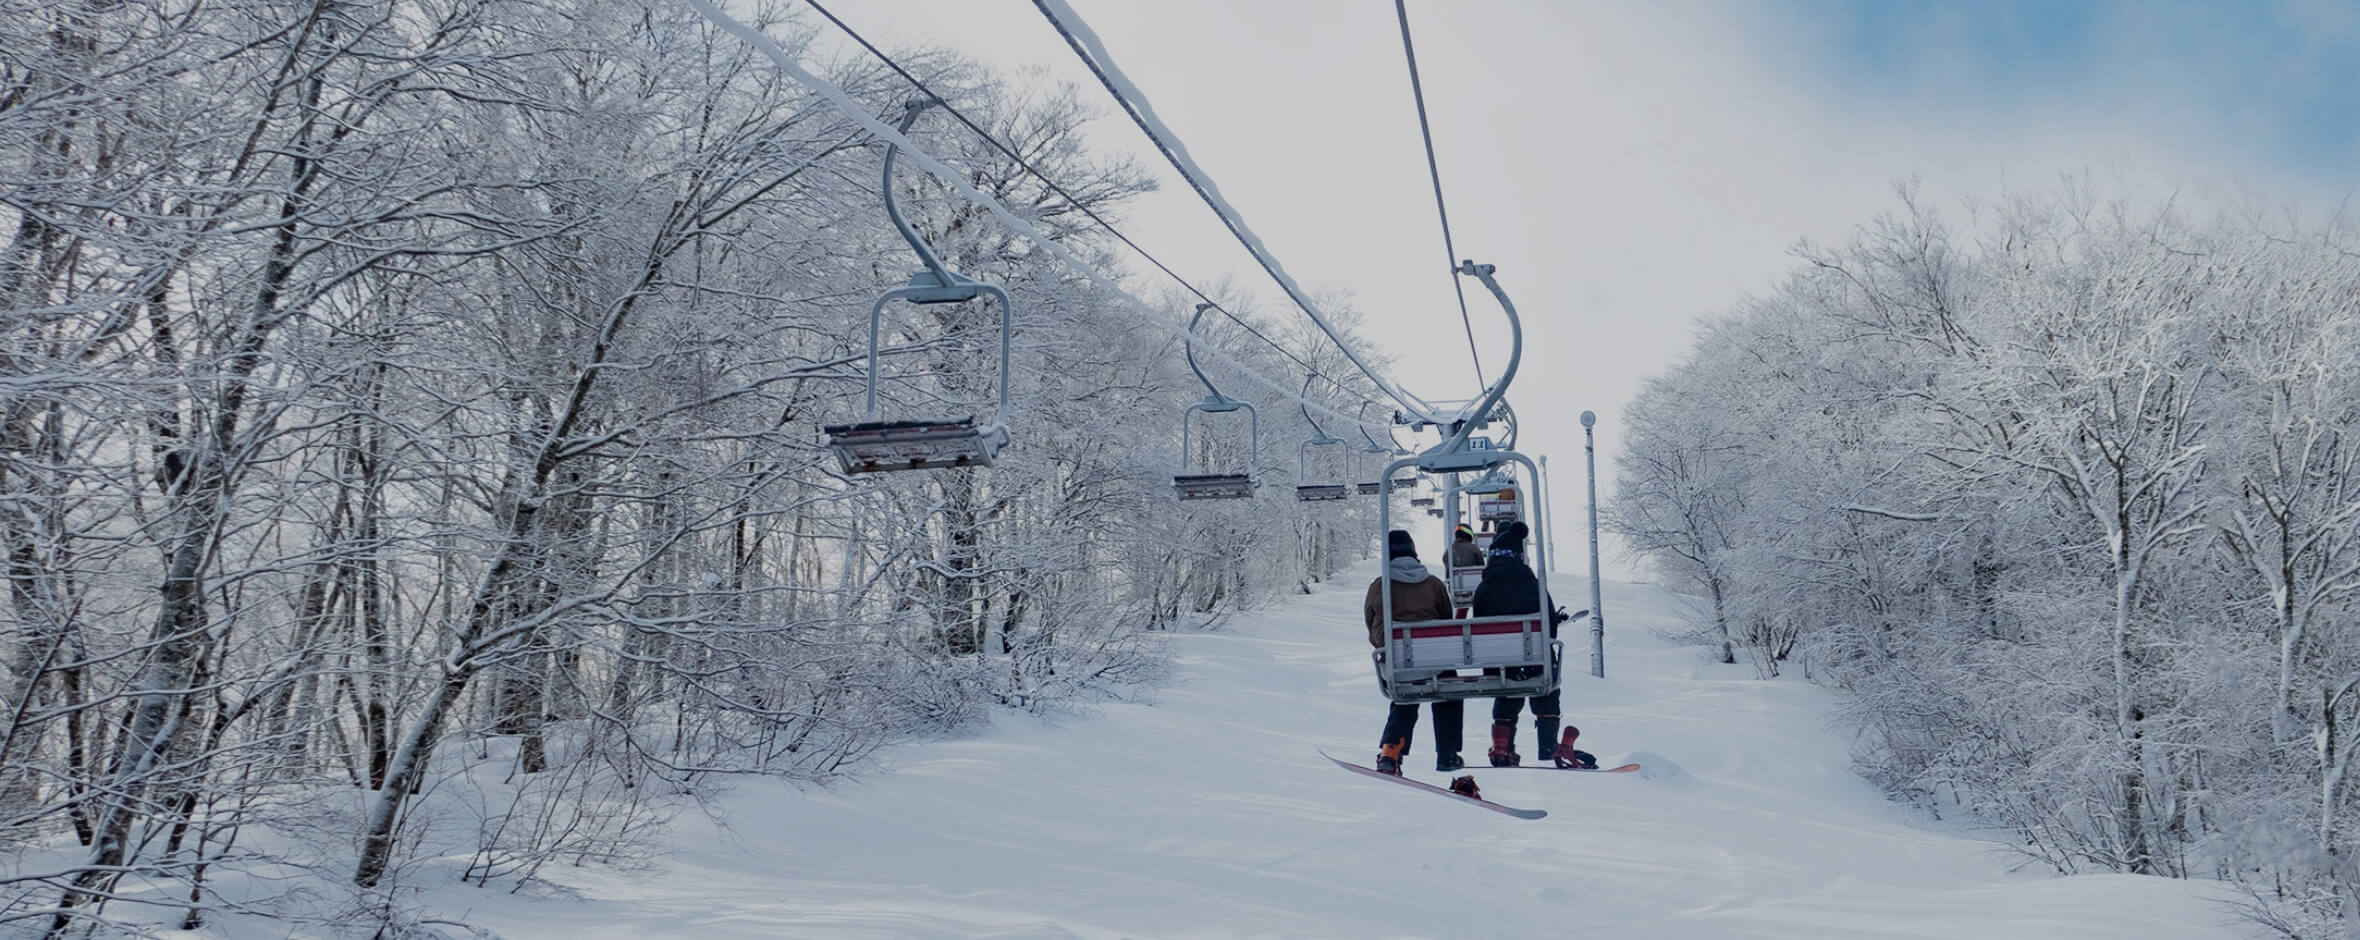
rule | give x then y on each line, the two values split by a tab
2063	500
410	442
411	449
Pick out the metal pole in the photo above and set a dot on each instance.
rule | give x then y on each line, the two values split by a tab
1546	491
1597	606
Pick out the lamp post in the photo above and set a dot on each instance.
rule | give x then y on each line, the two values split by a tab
1546	492
1597	606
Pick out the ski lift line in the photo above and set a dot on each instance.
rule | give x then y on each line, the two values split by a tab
1086	45
883	131
1450	254
1069	198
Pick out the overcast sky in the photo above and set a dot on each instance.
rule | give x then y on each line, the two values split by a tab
1632	167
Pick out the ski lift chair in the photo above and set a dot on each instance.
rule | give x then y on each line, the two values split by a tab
1216	485
1497	510
870	445
1510	655
1495	498
1315	492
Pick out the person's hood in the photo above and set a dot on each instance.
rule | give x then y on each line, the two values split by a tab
1406	570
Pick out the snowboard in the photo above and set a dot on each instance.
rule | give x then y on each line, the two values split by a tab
1500	808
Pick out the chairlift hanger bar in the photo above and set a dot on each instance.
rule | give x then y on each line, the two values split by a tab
1319	435
1454	453
1216	485
1318	492
934	285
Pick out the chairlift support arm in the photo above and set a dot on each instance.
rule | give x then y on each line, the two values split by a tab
935	285
1217	403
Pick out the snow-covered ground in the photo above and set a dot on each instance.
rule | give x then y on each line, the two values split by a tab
1210	813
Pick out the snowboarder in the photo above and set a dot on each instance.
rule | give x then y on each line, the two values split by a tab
1509	587
1417	595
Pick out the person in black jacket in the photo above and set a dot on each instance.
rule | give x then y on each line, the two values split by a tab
1509	587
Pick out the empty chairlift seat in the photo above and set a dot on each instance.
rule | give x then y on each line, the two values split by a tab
1321	491
1194	486
1213	486
874	446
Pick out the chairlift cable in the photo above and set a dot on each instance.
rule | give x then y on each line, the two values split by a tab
1450	254
1086	46
1069	198
851	109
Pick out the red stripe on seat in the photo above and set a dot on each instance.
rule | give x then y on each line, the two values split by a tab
1430	629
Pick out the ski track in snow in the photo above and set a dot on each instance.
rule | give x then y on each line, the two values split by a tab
1211	814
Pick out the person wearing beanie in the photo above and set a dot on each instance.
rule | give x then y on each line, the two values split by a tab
1463	551
1509	587
1510	543
1417	595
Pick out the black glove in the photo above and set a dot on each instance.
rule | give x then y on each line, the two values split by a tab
1558	616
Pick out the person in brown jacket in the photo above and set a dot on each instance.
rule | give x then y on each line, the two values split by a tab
1417	595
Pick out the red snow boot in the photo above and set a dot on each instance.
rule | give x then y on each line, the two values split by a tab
1389	758
1566	756
1465	786
1503	745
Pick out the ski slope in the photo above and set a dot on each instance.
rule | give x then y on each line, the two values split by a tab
1210	814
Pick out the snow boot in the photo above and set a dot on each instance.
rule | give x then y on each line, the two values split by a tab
1389	757
1465	786
1566	756
1503	744
1547	726
1447	763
